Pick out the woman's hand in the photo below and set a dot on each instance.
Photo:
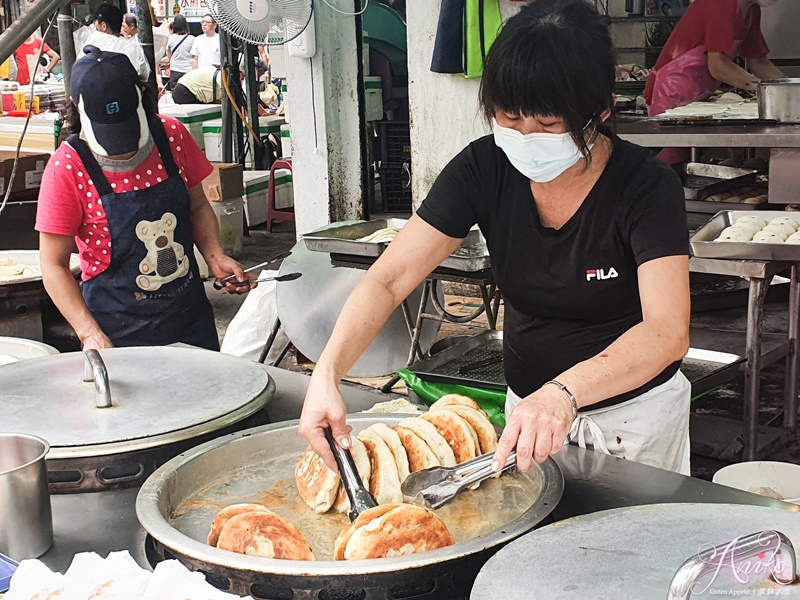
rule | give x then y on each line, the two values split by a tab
324	407
96	341
224	266
537	427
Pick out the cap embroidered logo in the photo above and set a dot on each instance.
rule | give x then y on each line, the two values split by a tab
112	108
600	274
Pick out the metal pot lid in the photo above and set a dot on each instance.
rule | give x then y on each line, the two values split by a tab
159	395
309	307
633	553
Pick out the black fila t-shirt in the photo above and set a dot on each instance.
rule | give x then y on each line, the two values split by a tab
569	293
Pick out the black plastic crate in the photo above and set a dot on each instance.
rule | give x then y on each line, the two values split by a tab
396	189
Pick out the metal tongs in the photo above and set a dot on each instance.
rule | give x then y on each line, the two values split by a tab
220	283
360	498
435	487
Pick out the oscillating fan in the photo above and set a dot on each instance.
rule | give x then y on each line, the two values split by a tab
262	22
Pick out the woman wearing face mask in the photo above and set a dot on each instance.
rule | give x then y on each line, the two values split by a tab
700	52
588	240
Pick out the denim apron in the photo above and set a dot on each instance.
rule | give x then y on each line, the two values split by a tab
151	293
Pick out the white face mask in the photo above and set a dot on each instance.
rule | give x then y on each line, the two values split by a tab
541	157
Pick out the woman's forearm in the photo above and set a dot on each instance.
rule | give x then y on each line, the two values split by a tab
66	295
632	360
725	70
764	69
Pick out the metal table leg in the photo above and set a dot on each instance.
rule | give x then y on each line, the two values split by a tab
417	331
793	360
752	376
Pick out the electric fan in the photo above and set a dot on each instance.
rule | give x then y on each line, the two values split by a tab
262	22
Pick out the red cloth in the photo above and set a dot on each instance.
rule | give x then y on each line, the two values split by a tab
714	24
69	203
21	56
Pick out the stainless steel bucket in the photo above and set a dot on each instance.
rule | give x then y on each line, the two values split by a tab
779	99
26	520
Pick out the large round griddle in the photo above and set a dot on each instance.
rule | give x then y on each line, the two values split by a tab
160	395
309	307
178	502
631	553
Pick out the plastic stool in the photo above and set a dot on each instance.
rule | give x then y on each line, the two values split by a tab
273	214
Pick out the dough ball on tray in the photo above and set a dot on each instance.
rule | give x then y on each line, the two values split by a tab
392	530
264	534
764	237
762	199
752	219
783	229
793	239
784	221
733	234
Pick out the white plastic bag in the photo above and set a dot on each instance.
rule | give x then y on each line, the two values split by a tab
250	328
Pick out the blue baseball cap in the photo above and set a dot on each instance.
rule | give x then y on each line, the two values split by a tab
107	91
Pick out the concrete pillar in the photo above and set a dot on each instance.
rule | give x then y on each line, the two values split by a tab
445	115
323	112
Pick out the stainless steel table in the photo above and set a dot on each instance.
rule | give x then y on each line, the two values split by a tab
106	521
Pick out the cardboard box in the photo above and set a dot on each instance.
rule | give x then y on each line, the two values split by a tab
225	183
29	171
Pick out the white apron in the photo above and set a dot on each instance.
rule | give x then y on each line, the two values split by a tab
652	429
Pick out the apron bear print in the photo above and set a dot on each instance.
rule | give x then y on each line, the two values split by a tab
166	259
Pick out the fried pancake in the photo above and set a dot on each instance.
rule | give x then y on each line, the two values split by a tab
457	400
401	530
316	483
228	512
392	440
384	480
456	431
264	534
359	453
427	431
420	455
365	517
484	430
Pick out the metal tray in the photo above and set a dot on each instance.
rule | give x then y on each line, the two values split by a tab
343	239
701	180
30	258
445	366
703	245
707	370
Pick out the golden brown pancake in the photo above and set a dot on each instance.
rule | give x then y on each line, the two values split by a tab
228	512
384	481
420	455
484	430
268	535
402	529
359	453
456	431
457	400
316	483
392	440
428	432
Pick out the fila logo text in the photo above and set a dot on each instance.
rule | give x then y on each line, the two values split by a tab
600	274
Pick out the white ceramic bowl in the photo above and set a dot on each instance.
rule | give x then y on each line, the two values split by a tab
756	476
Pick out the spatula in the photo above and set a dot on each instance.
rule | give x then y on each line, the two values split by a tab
360	498
435	487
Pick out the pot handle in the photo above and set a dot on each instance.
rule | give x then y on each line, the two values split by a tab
772	548
95	370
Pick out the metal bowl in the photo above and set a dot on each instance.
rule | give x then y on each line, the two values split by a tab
779	100
178	502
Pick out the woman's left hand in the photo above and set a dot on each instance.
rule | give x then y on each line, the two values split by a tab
537	428
224	266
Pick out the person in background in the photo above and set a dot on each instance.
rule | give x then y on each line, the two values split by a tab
589	244
30	47
134	178
204	84
179	50
130	25
205	49
700	54
107	22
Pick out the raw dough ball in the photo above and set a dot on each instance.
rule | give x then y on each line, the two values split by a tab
750	228
793	208
785	220
764	237
752	219
735	235
780	229
793	239
755	200
736	199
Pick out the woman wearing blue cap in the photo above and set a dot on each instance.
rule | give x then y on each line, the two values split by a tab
589	245
126	187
